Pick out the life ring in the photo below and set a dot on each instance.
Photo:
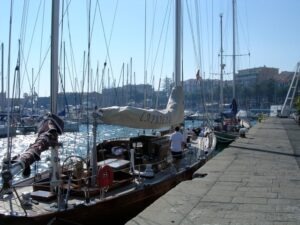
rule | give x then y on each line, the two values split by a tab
105	176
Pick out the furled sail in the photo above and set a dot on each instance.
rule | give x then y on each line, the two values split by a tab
49	129
141	118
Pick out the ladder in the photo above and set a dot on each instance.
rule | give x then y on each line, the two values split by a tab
288	103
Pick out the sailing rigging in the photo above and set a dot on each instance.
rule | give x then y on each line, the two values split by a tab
228	126
122	177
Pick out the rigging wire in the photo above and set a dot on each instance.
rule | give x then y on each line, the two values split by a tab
62	55
200	66
41	60
22	34
61	50
192	33
150	52
30	45
22	37
196	39
107	42
163	55
159	42
41	44
208	39
198	27
212	49
212	38
72	64
71	78
152	34
90	36
24	21
245	33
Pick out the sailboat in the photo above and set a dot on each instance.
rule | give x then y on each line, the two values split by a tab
122	176
229	126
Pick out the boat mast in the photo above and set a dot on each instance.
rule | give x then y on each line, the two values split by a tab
145	55
222	67
8	90
2	75
178	43
92	154
55	170
233	46
54	55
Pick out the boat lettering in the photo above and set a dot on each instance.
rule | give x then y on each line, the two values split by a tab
157	119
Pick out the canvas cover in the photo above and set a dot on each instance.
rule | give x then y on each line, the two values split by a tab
141	118
49	129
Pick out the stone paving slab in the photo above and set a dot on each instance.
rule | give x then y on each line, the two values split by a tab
255	180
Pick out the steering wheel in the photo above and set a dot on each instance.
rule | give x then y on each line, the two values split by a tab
75	165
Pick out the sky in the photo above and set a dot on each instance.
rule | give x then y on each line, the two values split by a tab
132	40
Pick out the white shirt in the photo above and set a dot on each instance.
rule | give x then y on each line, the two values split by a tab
176	141
185	135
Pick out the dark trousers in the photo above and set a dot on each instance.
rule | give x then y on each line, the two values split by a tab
177	155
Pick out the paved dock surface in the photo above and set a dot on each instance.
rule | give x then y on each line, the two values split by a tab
256	180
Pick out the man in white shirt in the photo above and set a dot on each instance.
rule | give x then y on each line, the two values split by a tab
176	143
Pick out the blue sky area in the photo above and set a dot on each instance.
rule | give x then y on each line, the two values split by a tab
267	29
